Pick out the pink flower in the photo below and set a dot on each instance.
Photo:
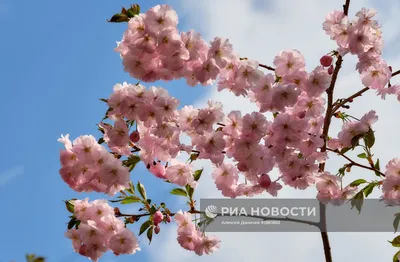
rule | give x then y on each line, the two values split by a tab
207	245
332	19
90	233
92	251
254	125
376	76
284	96
391	190
184	221
206	71
393	168
226	177
158	170
369	118
161	17
189	240
124	242
318	81
75	237
233	123
221	51
288	62
180	174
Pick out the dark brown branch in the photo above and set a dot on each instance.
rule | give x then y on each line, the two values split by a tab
193	211
359	93
328	115
349	99
396	73
346	7
267	67
353	163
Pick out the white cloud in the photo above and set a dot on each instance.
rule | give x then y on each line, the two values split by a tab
8	175
260	33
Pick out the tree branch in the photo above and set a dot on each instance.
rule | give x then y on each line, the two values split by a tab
352	162
327	122
267	67
396	73
311	223
349	99
359	93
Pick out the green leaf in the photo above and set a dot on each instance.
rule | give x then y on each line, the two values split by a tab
73	222
395	257
358	182
141	190
377	167
354	140
131	188
119	18
39	259
363	155
150	234
153	209
369	138
358	201
396	222
104	100
197	174
144	226
189	191
395	242
101	141
132	161
130	200
70	206
368	189
179	192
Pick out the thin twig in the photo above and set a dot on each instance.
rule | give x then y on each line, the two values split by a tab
352	162
349	99
267	67
396	73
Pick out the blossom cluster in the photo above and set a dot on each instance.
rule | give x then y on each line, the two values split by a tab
99	230
330	189
87	166
191	238
352	129
362	37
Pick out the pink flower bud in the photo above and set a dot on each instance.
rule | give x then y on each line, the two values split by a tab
330	70
168	218
82	250
242	167
134	137
264	181
326	60
157	229
301	114
158	217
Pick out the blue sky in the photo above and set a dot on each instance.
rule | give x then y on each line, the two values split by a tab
57	60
